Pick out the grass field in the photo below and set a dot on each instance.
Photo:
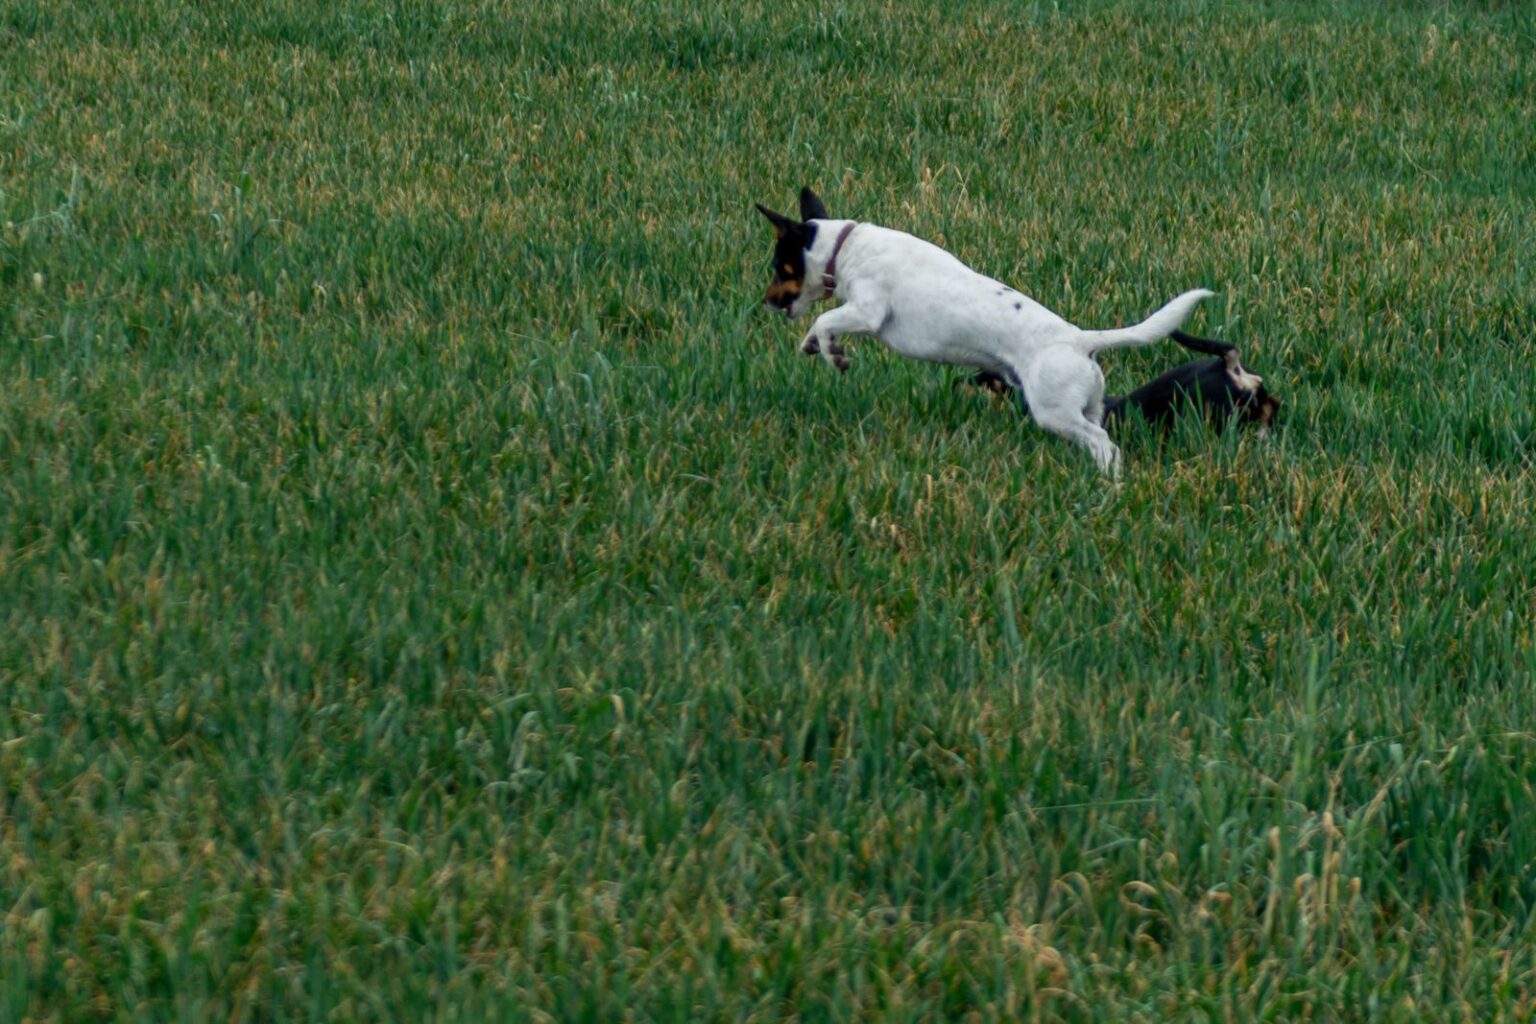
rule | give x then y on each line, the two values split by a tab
431	587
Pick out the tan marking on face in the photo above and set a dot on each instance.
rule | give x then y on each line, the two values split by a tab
1241	377
782	293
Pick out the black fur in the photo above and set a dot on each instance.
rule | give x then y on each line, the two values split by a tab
1214	386
811	206
793	239
1211	385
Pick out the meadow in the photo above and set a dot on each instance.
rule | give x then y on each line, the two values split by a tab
433	588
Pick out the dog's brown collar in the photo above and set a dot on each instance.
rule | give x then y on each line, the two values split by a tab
829	275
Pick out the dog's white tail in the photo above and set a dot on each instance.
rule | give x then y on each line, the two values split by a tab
1154	328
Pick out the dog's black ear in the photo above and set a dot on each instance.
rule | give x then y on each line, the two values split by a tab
782	225
811	207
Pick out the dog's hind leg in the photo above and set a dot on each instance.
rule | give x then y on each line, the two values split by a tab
1094	411
1075	426
1065	392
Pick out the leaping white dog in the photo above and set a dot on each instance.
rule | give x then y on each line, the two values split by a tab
925	304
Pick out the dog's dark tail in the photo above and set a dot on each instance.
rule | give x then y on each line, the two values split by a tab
1114	408
1205	346
1242	378
1154	328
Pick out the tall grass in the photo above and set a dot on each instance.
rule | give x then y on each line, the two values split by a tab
431	588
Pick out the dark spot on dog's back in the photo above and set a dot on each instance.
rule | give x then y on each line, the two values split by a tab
1018	305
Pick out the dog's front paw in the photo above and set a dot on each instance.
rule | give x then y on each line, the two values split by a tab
835	354
828	349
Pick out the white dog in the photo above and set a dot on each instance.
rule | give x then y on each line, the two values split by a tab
925	304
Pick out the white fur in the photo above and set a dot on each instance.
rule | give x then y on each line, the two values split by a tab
925	304
1241	377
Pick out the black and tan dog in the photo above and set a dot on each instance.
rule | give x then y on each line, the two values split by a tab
1220	387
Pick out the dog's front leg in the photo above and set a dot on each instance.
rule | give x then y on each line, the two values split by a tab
850	318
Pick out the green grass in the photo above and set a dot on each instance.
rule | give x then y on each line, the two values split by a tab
432	588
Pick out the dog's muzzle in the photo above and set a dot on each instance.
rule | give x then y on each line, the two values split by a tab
782	295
